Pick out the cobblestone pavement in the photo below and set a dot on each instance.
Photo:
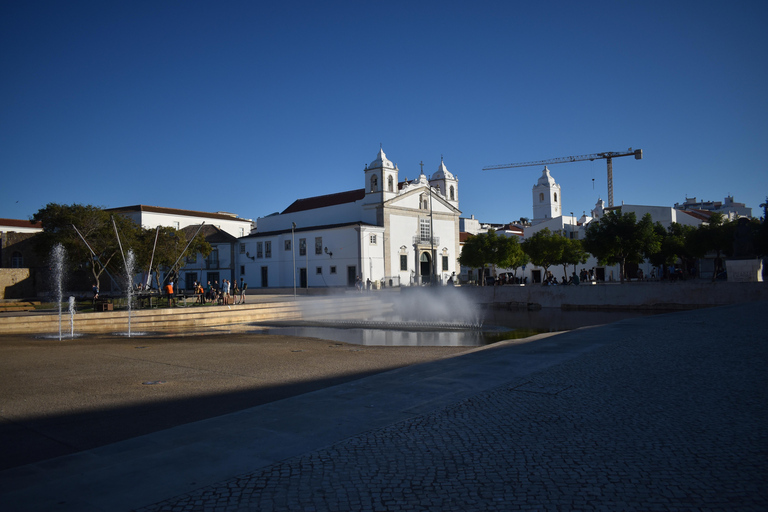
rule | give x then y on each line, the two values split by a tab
659	420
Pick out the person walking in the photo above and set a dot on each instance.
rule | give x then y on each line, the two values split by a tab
243	287
235	292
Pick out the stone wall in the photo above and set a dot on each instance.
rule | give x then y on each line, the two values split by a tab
631	295
17	283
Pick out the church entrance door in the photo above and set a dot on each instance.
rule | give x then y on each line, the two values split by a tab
351	275
425	267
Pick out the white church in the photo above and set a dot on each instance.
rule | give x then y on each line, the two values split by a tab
390	232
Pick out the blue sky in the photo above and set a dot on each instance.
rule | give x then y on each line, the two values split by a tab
247	106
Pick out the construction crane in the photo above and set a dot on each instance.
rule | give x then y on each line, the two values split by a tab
608	156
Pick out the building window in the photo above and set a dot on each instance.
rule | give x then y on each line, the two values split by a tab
423	202
259	249
404	262
424	231
213	259
541	197
333	270
302	246
555	196
319	270
452	193
17	260
373	239
445	263
242	270
267	249
391	184
242	248
287	245
176	225
318	245
374	183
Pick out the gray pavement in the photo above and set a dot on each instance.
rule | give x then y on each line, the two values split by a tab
657	413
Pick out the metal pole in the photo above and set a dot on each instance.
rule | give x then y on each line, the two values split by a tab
185	250
432	239
293	253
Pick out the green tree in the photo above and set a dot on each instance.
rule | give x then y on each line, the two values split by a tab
573	254
544	248
618	238
96	246
512	254
715	235
476	253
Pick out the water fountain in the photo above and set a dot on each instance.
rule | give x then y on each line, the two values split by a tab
129	273
71	316
57	264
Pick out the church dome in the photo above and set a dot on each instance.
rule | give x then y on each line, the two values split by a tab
546	178
442	172
381	162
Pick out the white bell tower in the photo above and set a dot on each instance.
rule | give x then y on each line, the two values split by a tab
547	202
380	179
447	183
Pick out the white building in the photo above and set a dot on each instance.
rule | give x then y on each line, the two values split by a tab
730	208
389	232
548	213
150	217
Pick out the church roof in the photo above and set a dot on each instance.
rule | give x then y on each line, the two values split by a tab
212	234
311	203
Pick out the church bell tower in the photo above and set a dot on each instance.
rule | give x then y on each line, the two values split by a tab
547	202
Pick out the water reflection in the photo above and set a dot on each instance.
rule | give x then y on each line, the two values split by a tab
497	325
384	337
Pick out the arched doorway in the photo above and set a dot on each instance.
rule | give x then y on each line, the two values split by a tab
425	267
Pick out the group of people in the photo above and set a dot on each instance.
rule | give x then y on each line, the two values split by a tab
227	293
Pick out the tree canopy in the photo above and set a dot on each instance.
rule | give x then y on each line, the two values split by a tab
87	234
618	238
544	248
489	248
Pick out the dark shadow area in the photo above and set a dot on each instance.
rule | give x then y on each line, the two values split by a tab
40	439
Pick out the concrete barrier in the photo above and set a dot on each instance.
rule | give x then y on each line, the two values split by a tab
191	318
630	295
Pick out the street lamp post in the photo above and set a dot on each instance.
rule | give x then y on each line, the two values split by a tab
293	253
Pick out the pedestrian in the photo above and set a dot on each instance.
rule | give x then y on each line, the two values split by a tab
95	290
225	292
209	292
235	292
169	292
243	287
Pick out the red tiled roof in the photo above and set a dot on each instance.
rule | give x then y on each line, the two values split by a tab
311	203
21	223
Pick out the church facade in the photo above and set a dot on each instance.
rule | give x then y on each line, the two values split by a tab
390	232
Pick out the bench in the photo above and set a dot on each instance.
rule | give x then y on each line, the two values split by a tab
12	307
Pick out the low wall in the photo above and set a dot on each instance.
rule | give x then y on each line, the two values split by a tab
180	319
630	295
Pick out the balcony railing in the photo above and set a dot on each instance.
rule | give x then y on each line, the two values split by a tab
418	240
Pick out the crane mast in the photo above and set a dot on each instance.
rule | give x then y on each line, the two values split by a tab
608	156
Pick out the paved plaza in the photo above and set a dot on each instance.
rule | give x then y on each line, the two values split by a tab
657	413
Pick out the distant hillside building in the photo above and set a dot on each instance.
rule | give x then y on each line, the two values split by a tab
729	208
390	232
